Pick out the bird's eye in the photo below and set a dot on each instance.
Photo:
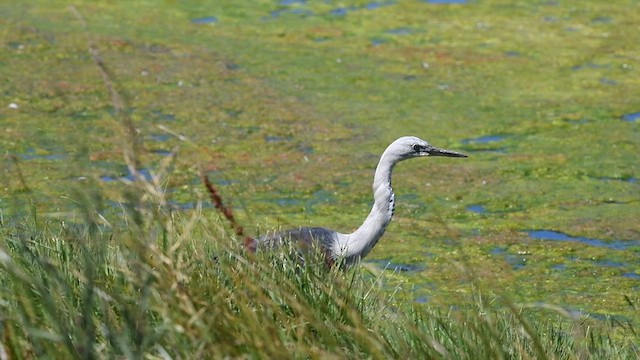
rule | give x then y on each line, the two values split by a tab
417	148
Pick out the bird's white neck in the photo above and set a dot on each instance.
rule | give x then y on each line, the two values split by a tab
357	245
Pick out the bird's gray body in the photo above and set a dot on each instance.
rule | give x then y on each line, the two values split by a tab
350	248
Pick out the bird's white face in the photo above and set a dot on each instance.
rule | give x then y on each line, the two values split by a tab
410	146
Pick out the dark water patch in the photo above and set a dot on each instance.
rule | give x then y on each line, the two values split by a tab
609	263
377	41
517	261
341	11
577	121
632	117
13	45
607	81
488	143
423	299
478	209
190	205
484	139
205	20
306	149
33	154
601	20
558	236
293	11
143	173
275	139
231	66
400	31
559	267
107	178
321	196
438	2
512	54
378	4
629	179
396	267
159	115
288	202
576	314
292	2
588	66
234	113
631	275
159	137
161	152
344	10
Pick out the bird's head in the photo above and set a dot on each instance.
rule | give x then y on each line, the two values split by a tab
410	146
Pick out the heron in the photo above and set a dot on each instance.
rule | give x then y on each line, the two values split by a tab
348	249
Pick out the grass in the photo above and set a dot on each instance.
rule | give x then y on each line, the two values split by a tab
171	285
145	281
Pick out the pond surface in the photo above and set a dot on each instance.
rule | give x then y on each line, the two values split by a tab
288	105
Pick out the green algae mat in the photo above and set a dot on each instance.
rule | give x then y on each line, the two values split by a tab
288	104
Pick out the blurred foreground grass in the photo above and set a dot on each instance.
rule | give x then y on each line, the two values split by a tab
171	285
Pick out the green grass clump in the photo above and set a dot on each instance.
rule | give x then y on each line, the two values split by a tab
164	286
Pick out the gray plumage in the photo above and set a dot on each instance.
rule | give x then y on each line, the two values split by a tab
350	248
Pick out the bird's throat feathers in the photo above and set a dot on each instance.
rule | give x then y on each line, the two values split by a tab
358	244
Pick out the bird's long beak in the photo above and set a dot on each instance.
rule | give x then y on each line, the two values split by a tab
434	151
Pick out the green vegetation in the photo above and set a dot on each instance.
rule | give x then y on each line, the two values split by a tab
105	250
171	287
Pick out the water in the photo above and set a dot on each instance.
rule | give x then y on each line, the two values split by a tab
484	139
144	173
159	115
632	117
342	11
293	11
32	154
517	261
159	137
275	139
400	31
479	209
446	1
161	152
205	20
558	236
378	4
609	263
559	267
292	2
607	81
601	20
631	180
396	267
588	66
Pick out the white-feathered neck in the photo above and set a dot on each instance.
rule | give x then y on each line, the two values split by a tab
357	245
